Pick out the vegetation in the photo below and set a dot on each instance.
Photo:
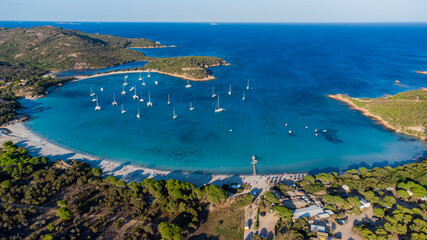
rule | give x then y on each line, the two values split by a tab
56	48
41	199
192	67
404	112
390	190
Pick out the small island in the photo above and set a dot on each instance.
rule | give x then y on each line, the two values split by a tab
191	68
404	112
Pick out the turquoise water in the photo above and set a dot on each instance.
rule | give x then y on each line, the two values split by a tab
291	69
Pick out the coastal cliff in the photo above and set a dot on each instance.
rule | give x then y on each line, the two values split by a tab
405	112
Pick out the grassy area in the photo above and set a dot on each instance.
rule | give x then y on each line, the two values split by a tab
405	112
223	223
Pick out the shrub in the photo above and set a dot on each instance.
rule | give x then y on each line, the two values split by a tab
170	231
64	213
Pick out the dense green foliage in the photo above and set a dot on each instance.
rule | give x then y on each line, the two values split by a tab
15	162
190	67
270	197
170	231
283	212
84	205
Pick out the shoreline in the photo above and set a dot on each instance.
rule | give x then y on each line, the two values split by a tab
378	120
82	77
22	136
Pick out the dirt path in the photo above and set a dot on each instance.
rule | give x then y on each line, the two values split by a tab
346	230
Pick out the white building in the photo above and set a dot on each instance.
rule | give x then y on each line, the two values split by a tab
364	203
309	211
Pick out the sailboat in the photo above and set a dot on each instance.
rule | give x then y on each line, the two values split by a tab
102	89
131	89
138	115
191	106
229	91
217	108
243	96
174	116
141	99
148	75
97	108
140	78
169	100
91	92
188	84
143	82
123	90
124	82
155	82
123	110
247	86
149	104
134	95
114	103
93	99
213	91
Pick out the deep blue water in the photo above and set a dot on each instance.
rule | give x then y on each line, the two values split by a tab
292	68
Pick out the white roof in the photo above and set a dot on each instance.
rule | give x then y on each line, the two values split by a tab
309	211
317	228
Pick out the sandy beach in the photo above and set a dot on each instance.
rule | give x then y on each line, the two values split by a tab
81	77
38	146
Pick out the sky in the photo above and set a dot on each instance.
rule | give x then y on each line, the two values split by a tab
215	11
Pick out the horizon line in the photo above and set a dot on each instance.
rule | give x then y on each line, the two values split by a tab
225	22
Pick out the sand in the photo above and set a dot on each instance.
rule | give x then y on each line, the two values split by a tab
39	146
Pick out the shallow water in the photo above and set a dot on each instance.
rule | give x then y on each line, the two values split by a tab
291	69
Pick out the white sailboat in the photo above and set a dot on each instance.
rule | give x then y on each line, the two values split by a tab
217	107
188	84
123	90
169	100
174	116
229	91
140	78
131	89
138	115
91	92
143	82
97	108
135	97
191	106
102	89
149	103
114	103
247	86
213	92
123	110
124	82
155	82
243	98
148	75
93	99
141	99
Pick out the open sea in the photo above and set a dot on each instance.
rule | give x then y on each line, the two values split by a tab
291	69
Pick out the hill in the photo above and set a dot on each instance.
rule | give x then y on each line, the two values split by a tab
56	48
405	112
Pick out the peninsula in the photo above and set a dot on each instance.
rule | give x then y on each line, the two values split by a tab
28	55
404	112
